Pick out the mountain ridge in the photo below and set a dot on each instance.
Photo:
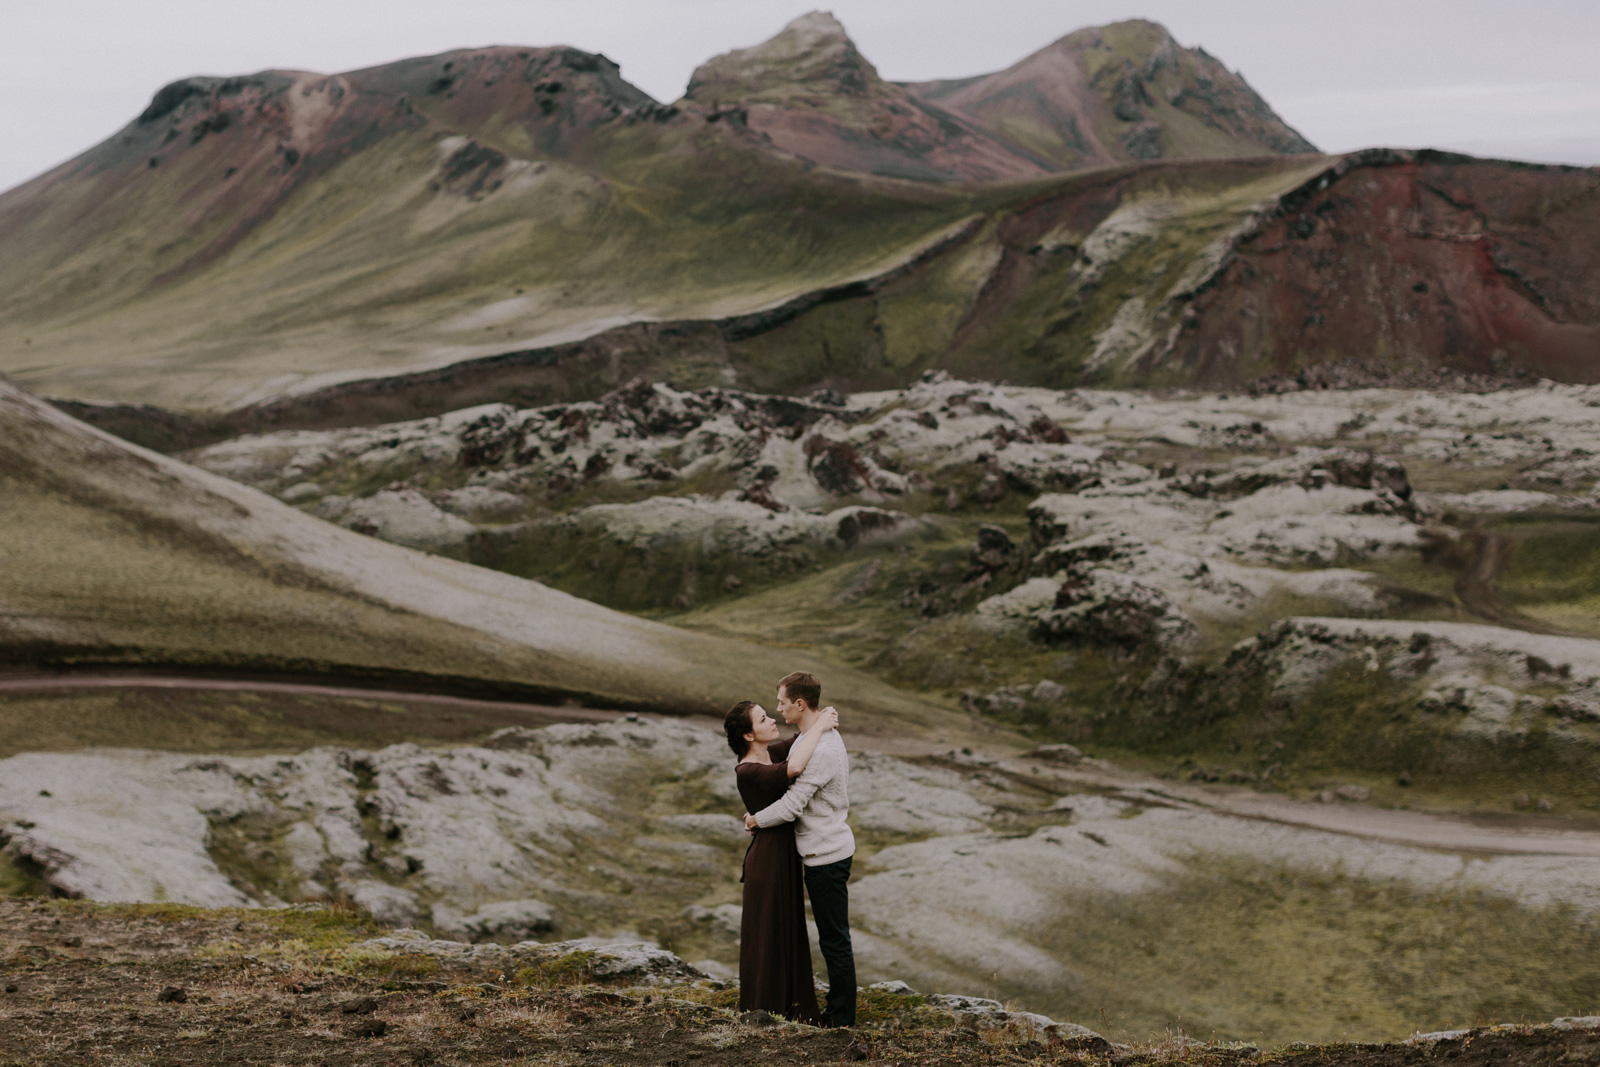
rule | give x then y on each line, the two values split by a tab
250	241
1084	100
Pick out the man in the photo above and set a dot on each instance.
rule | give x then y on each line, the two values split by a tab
818	801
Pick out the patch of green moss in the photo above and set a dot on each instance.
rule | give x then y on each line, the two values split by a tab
1233	950
248	849
1554	574
575	968
20	879
726	999
1357	725
879	1007
397	967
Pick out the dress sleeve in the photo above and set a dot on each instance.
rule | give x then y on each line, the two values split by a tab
780	752
773	776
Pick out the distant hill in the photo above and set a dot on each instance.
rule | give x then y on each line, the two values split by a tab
114	556
522	224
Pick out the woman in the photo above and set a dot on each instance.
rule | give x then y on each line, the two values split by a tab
774	951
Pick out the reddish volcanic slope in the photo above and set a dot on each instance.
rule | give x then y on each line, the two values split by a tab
1398	260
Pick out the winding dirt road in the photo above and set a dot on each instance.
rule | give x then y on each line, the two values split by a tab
1457	833
41	683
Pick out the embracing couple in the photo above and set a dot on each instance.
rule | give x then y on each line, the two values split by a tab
798	792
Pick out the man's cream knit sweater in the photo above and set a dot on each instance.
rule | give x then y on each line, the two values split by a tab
818	802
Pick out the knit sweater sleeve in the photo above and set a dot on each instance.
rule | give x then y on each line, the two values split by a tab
818	772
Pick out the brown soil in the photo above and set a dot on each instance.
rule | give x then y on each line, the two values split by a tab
175	713
84	984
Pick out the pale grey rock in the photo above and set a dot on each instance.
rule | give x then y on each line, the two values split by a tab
635	961
1499	502
502	920
728	524
1209	561
956	1003
124	826
307	851
302	493
405	517
716	969
1016	610
1046	691
986	1014
641	963
895	796
390	905
896	986
1480	674
727	829
1435	1036
932	911
480	503
1108	609
723	920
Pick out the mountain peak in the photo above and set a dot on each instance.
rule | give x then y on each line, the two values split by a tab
812	54
1116	93
817	25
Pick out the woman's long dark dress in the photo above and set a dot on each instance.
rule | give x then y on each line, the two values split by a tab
774	951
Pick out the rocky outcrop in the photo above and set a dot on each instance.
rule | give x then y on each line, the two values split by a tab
622	962
1481	680
807	480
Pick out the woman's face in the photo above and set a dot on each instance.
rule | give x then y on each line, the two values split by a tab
763	727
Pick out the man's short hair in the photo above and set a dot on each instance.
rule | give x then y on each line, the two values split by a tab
802	685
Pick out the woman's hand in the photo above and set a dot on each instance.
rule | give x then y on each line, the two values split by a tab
805	746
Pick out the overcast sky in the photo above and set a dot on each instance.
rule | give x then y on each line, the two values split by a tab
1493	77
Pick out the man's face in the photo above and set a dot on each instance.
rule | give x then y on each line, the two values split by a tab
791	710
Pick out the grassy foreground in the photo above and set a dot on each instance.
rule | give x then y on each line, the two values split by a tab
159	984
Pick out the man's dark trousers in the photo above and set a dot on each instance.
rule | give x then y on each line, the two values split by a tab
830	906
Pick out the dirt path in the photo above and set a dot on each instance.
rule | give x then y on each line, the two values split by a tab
1525	836
37	683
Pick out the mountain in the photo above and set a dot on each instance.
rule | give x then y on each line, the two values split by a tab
810	92
243	238
1117	93
1100	96
521	224
114	556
